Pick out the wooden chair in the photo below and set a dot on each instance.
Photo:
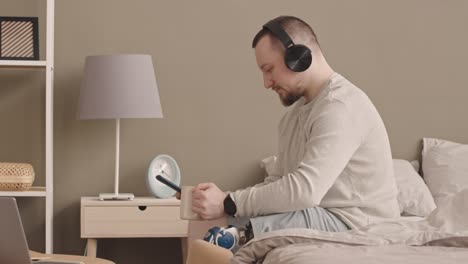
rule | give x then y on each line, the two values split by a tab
85	260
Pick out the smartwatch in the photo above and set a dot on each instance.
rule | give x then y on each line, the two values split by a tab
229	206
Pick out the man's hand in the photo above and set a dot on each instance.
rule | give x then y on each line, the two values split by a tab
207	201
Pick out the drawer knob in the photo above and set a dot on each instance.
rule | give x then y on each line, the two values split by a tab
142	207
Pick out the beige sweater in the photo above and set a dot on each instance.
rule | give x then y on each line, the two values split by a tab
334	152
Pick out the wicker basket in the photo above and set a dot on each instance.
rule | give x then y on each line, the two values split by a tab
16	176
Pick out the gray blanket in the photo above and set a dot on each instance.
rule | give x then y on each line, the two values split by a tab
441	238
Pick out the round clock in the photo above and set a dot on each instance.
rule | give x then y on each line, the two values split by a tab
167	167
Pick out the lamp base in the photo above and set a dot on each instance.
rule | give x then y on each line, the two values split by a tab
118	196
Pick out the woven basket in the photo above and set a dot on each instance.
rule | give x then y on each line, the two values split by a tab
16	176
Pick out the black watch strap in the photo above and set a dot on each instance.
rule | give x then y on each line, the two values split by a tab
230	207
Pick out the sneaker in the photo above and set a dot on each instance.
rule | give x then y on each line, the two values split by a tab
226	237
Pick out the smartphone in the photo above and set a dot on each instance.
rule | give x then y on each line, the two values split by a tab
168	183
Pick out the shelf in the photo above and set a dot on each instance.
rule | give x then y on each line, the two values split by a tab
45	64
32	192
22	64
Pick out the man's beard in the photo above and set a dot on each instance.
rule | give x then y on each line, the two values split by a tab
290	99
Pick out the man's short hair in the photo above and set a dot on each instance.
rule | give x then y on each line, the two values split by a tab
295	27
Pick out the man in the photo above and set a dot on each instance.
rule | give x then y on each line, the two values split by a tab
334	168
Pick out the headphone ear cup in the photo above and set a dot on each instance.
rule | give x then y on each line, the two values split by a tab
298	58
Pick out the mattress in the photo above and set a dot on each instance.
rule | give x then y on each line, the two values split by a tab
339	254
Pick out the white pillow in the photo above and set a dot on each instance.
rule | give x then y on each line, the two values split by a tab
414	197
269	164
445	167
415	165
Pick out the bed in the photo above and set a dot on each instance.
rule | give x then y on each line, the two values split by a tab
442	237
436	230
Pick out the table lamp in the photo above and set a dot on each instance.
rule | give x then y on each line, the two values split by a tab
119	86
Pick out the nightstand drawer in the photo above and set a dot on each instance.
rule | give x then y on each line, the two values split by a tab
132	221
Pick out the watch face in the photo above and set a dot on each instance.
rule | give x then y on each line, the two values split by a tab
167	167
230	207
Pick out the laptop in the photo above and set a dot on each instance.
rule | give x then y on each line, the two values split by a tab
13	245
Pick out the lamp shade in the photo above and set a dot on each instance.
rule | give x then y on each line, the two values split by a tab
119	86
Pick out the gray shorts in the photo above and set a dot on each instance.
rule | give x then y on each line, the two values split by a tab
311	218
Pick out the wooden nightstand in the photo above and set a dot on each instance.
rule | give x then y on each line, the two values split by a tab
142	217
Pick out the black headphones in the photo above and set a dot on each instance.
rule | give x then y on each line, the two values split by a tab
297	57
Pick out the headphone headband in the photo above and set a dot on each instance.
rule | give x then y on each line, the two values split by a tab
274	27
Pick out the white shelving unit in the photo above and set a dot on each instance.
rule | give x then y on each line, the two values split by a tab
48	65
22	64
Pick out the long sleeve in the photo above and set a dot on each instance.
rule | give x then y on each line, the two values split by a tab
332	138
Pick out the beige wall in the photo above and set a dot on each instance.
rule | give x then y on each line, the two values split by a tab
408	56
